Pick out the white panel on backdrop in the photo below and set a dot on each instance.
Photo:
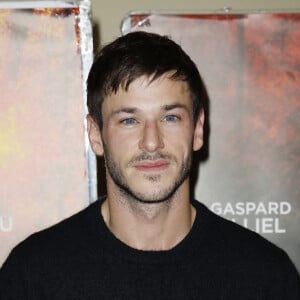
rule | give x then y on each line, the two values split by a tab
47	171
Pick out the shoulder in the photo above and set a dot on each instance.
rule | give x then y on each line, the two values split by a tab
238	242
248	257
49	256
59	238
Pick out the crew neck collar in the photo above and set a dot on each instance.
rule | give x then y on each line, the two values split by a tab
187	247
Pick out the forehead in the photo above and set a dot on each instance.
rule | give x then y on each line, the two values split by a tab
147	93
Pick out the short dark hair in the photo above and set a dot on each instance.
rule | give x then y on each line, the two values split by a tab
139	54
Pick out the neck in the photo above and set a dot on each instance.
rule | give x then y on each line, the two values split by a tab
149	226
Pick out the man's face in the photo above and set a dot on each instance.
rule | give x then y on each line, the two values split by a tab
148	136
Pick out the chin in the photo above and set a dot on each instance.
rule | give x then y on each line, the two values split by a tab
156	195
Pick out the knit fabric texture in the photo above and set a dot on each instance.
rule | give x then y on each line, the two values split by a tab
80	258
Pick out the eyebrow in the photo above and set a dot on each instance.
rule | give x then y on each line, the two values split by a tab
174	106
128	110
132	110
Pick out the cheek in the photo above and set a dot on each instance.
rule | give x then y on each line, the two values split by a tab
183	137
120	147
180	146
125	141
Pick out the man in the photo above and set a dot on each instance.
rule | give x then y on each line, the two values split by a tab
146	239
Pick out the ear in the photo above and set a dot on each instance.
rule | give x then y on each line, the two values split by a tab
94	134
198	133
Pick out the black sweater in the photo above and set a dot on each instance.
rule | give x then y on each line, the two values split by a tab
79	258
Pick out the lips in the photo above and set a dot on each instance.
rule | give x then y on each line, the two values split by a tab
152	166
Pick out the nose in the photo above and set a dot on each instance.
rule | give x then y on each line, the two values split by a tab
151	139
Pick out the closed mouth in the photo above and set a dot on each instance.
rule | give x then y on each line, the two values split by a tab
152	166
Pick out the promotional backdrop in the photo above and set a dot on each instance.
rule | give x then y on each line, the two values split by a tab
250	167
44	175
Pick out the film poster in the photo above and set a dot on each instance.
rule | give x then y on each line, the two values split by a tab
43	176
250	166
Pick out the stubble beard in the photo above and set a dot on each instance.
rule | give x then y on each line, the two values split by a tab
156	196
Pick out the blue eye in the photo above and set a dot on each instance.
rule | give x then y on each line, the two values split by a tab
171	118
128	121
